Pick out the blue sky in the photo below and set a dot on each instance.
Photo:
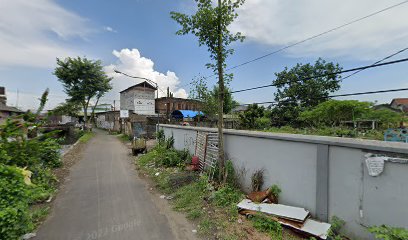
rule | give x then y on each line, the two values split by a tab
139	37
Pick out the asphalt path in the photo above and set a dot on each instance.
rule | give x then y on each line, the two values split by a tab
103	198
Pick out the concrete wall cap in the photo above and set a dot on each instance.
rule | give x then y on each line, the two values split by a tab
373	145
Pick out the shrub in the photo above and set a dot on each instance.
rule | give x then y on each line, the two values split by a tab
170	142
227	196
275	189
389	233
163	157
184	155
49	153
15	219
336	225
160	137
265	224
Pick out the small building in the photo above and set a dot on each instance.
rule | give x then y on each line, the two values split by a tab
139	99
167	105
104	107
112	121
239	109
6	111
400	104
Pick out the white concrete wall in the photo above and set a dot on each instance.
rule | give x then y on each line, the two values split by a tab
290	161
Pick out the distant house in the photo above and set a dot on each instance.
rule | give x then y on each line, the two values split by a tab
139	98
104	107
240	108
386	106
6	111
400	104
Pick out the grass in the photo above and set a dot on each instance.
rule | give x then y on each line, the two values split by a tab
124	137
213	209
39	214
86	137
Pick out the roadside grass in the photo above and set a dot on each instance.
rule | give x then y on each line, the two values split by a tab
124	137
86	137
211	207
39	214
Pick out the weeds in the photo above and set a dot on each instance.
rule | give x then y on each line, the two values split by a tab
214	210
160	137
389	233
39	214
336	225
265	224
86	137
257	180
169	143
226	196
275	190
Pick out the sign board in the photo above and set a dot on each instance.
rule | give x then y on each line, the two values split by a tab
124	113
144	106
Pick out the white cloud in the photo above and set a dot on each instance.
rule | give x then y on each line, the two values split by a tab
109	29
279	23
131	62
34	33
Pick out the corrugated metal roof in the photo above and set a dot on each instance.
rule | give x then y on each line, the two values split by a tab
142	84
187	113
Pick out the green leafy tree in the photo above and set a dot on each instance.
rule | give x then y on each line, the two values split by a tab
255	117
302	88
68	108
385	117
83	80
229	102
209	98
210	25
333	112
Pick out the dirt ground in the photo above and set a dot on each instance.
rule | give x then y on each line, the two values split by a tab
69	160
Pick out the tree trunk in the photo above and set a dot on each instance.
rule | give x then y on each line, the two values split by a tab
86	113
220	61
85	116
93	109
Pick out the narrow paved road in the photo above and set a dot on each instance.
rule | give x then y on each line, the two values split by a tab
104	198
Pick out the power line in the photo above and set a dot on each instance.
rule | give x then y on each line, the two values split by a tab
314	36
379	61
339	95
325	75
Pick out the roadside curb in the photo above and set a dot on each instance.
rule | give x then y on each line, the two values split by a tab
70	148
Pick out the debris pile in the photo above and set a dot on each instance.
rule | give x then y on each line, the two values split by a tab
295	218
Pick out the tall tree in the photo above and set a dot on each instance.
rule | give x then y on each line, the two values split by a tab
68	108
200	91
210	25
83	80
302	88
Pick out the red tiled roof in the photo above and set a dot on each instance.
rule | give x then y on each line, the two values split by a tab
400	101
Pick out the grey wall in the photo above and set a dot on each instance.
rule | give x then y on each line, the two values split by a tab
325	175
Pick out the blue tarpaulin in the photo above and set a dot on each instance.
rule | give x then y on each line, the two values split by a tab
186	114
